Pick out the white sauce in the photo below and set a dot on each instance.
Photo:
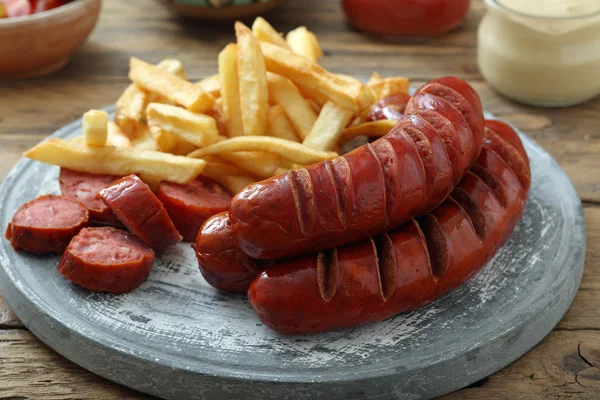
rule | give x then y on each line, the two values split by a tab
542	52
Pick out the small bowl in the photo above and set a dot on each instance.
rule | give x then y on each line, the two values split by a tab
40	44
222	10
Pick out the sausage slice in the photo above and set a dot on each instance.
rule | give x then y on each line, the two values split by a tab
106	259
141	212
47	224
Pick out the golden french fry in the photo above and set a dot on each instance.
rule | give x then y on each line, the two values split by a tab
388	86
182	148
230	90
282	170
254	95
314	80
285	148
287	164
198	129
375	77
143	139
255	163
301	115
235	183
371	129
172	66
165	141
216	168
328	128
211	84
95	127
279	124
305	43
314	105
116	137
173	88
116	160
129	109
262	30
343	79
151	180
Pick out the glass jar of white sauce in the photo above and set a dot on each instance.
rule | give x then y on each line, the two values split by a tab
541	52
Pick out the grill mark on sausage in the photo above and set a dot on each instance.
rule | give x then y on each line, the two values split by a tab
472	210
294	190
342	176
385	258
302	186
327	273
383	179
425	153
509	154
491	181
436	244
336	193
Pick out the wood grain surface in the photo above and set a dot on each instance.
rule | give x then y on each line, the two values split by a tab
565	365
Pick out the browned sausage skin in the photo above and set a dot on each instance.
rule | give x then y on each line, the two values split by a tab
410	266
106	259
47	224
370	190
141	212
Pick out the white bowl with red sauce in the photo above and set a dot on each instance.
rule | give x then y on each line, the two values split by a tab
406	20
41	43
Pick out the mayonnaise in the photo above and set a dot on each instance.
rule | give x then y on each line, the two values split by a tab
542	52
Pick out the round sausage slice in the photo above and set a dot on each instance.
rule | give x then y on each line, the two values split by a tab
106	259
141	212
47	224
192	204
84	187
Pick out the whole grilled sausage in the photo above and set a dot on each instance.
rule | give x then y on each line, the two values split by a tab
47	224
370	190
408	267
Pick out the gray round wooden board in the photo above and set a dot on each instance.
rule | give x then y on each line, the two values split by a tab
178	338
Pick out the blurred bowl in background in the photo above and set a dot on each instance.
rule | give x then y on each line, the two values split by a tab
222	10
40	44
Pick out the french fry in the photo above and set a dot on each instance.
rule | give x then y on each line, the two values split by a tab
230	90
343	79
95	127
279	124
305	43
372	129
285	148
375	77
172	66
116	160
301	115
165	141
262	30
116	137
388	86
151	180
216	168
182	148
235	183
328	128
211	84
254	95
314	105
314	80
255	163
198	129
143	139
173	88
129	109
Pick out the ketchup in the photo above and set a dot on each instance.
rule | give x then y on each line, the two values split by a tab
406	18
20	8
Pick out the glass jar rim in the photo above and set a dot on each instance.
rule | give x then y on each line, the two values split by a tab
500	6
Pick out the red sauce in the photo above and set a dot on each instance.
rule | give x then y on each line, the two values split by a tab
406	18
20	8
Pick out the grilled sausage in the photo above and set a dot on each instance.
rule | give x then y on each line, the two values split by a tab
191	204
370	190
410	266
47	224
106	259
390	107
141	212
84	187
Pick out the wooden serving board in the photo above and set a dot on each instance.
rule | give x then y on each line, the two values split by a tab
176	337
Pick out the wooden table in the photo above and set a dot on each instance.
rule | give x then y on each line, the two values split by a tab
565	365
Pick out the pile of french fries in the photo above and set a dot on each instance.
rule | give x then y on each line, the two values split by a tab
270	108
